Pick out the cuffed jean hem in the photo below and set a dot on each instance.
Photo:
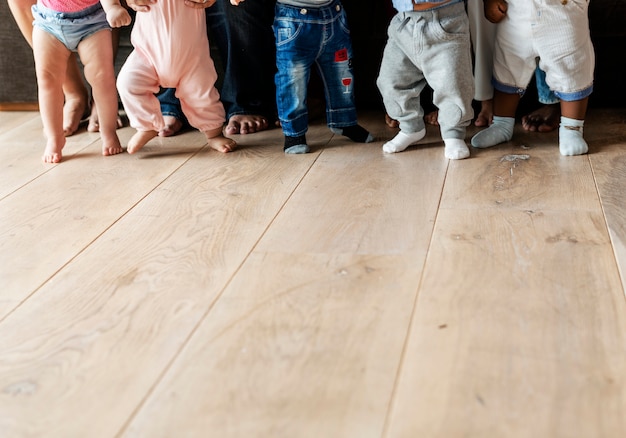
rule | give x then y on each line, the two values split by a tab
574	96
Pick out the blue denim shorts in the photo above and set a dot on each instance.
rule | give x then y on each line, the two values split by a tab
71	27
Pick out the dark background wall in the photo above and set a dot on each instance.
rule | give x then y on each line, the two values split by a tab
368	20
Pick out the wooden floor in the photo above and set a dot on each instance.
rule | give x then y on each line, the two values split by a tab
181	292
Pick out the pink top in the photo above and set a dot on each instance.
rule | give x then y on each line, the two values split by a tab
68	5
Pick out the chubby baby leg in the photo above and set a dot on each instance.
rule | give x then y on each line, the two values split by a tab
139	140
217	141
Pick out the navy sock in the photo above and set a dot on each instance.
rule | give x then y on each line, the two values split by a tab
355	133
295	145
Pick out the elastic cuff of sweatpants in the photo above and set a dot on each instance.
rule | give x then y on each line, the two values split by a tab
457	132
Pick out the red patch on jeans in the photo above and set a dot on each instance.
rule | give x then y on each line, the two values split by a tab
341	55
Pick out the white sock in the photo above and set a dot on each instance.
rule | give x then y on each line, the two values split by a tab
571	140
500	131
456	149
402	141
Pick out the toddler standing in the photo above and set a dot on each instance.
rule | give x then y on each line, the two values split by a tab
61	27
314	32
557	34
428	42
171	51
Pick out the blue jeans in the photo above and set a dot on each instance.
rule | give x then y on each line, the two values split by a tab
70	28
546	96
307	36
170	105
243	36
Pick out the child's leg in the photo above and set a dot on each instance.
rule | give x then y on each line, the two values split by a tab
483	35
50	63
501	130
96	54
76	97
448	70
401	82
545	118
293	61
137	84
335	67
200	102
293	114
571	141
94	123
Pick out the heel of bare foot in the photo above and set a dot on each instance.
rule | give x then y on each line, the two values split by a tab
94	122
52	153
246	124
74	109
139	140
172	126
217	141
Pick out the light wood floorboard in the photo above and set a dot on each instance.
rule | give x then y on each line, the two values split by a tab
181	292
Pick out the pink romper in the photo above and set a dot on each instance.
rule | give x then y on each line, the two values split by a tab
171	51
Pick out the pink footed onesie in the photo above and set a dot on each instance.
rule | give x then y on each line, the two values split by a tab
171	51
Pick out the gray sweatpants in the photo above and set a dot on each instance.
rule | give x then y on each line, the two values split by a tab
429	47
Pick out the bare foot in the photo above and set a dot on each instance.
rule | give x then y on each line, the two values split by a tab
544	119
111	144
172	126
52	153
139	140
485	116
432	118
391	122
94	123
217	141
246	124
73	110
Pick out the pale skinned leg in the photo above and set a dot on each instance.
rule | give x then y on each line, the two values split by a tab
50	64
73	87
96	53
76	97
94	122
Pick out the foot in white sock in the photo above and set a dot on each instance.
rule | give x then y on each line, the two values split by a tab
500	131
456	149
571	141
402	141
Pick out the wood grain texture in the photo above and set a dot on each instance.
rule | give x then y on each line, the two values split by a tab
310	350
54	217
133	297
509	324
341	293
609	167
